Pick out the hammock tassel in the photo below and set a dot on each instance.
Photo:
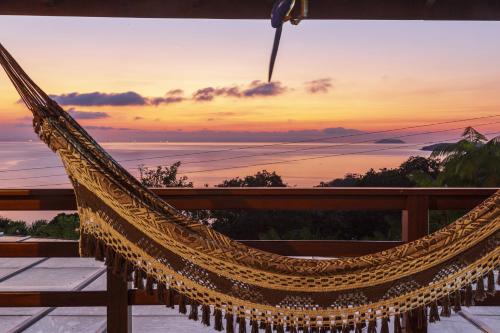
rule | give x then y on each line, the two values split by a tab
421	317
109	256
218	320
397	324
480	294
372	326
269	328
229	323
150	285
457	301
117	265
385	325
262	325
129	270
280	328
358	328
445	306
254	326
205	315
138	281
170	298
491	283
87	245
293	329
469	296
434	312
242	325
99	251
160	293
193	314
182	304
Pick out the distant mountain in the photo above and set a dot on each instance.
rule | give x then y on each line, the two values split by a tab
390	141
435	146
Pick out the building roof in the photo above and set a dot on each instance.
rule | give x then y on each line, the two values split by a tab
259	9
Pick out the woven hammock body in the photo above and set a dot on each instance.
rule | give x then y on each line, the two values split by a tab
149	242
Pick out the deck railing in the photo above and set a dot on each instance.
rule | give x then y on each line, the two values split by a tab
414	203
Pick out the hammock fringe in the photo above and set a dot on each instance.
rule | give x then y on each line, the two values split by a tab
166	295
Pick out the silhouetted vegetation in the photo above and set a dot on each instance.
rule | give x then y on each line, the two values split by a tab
473	161
62	226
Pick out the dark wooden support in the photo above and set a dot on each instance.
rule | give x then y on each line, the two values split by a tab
38	249
119	313
415	218
266	198
260	9
52	298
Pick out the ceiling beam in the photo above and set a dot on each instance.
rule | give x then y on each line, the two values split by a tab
259	9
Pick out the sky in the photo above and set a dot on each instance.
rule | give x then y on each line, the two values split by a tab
195	80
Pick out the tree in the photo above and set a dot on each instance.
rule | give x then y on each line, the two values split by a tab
472	161
395	177
262	178
163	176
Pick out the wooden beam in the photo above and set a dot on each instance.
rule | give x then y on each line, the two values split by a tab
415	218
52	298
38	249
259	9
119	313
266	198
324	248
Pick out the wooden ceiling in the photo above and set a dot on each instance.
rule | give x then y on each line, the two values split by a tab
259	9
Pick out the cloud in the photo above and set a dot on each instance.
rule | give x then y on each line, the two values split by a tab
87	114
259	88
101	99
319	86
205	94
138	118
131	98
171	97
254	89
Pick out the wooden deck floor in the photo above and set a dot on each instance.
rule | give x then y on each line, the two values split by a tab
87	274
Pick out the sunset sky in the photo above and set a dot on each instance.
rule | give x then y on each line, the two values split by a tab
148	79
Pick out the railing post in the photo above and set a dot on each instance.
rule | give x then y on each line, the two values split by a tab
119	313
415	219
415	224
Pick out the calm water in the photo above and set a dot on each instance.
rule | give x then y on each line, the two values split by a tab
202	162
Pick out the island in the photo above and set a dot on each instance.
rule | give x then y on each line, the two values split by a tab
435	146
390	141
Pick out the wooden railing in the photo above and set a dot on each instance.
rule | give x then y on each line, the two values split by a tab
414	203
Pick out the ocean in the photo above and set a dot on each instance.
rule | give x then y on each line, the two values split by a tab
33	165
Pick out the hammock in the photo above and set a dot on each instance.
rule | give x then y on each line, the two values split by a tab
148	242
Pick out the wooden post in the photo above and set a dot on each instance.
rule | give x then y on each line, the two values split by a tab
415	224
119	313
415	219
